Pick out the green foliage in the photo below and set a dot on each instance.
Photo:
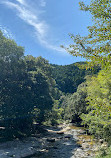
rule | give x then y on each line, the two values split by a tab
68	77
105	153
99	110
74	105
95	47
9	51
27	89
55	116
12	69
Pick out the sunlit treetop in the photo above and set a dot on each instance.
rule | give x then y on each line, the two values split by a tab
96	46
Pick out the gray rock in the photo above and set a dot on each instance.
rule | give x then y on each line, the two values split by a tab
82	132
85	145
101	140
51	140
60	132
67	137
79	150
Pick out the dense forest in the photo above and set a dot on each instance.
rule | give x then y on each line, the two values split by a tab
34	91
68	77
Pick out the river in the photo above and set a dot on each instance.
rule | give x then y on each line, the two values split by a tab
64	141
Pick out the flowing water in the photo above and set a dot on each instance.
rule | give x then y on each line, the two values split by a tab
62	142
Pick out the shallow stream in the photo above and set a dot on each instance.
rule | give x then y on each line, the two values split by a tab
64	141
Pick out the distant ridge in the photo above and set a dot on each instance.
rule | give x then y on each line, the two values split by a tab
68	77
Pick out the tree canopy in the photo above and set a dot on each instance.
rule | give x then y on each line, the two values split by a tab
96	47
68	77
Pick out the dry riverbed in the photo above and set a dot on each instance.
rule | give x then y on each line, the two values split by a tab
66	141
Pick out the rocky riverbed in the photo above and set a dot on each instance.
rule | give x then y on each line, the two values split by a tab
64	141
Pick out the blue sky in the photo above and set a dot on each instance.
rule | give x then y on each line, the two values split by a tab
41	26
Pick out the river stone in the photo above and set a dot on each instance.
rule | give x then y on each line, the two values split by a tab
85	145
51	140
79	145
104	145
82	132
67	137
96	149
60	137
86	140
44	147
60	132
79	150
101	140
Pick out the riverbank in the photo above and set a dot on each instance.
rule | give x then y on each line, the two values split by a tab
64	141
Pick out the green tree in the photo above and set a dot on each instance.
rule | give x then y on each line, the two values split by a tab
96	47
43	85
68	77
14	101
99	110
26	86
76	104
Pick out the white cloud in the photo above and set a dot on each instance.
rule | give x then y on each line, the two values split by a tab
30	18
42	3
21	1
41	28
6	32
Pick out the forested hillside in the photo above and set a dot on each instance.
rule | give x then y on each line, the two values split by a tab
68	77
